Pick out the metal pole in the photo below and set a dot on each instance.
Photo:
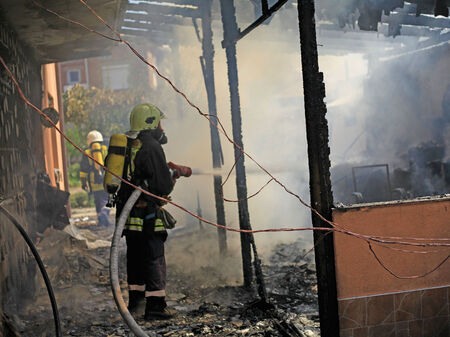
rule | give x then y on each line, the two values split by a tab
207	62
230	33
319	169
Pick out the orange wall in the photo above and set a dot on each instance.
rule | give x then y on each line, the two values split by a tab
53	143
357	271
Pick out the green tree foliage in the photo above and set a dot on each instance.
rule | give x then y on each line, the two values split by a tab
93	108
98	109
74	134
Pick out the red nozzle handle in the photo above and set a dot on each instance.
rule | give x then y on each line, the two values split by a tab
180	170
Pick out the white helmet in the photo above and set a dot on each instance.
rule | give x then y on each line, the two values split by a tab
94	136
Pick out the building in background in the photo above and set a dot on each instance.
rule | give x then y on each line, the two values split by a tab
120	70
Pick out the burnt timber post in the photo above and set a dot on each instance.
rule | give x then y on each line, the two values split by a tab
207	64
230	34
440	8
319	169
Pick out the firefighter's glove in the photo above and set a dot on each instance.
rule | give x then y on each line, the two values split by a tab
162	202
179	170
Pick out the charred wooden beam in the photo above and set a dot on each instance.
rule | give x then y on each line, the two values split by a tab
196	3
157	19
441	8
230	33
266	13
207	63
148	26
319	169
153	36
188	12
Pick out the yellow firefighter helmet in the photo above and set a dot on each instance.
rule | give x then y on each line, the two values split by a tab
145	116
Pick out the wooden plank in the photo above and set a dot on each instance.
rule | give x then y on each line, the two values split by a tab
159	19
165	10
157	37
148	26
195	3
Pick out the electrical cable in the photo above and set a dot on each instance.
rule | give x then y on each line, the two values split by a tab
218	124
114	267
30	244
335	227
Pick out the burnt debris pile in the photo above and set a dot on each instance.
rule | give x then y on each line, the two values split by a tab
207	304
291	279
233	310
422	171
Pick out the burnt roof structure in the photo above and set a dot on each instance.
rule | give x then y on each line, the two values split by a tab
52	39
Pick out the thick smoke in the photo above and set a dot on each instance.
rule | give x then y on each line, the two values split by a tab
379	109
273	129
400	118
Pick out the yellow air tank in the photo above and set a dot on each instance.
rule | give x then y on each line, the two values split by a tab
115	162
96	152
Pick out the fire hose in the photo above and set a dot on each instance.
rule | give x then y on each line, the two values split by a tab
114	267
30	244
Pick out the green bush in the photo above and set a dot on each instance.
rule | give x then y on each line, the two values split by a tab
80	200
74	175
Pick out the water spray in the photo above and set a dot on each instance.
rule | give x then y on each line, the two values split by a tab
220	172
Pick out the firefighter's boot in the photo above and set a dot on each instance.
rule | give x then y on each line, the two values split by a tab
103	220
136	302
156	308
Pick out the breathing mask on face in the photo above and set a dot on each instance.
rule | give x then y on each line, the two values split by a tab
162	139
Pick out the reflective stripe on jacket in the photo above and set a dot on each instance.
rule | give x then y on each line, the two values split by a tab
134	224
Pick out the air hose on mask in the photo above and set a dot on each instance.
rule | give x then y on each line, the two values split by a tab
41	268
114	267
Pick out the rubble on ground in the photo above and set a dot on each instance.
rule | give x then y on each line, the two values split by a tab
209	302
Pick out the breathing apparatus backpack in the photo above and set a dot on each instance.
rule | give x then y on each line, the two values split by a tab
96	153
115	162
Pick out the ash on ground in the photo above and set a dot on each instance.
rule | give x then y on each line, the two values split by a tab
203	287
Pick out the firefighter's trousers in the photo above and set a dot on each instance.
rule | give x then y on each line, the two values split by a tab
146	263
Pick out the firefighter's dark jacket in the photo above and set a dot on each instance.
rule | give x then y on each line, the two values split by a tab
150	169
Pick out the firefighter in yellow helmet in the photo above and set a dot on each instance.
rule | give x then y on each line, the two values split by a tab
91	175
145	165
